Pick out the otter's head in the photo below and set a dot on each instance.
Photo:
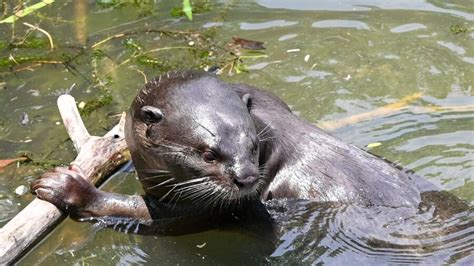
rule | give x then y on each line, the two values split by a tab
192	139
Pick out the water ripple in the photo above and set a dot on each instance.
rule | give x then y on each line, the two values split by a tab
266	25
370	235
340	23
362	5
407	28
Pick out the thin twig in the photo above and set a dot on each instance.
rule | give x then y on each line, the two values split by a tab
51	44
108	39
143	74
169	48
37	64
165	32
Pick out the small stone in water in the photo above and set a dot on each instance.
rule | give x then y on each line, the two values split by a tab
21	190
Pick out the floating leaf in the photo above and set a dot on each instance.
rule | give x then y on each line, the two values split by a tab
240	67
5	162
26	11
187	9
374	144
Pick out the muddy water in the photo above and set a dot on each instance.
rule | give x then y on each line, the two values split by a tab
391	73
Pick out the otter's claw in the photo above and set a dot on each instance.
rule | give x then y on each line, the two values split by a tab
67	189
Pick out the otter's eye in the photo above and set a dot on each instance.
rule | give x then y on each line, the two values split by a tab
209	156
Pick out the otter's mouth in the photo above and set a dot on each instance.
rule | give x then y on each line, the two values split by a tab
210	191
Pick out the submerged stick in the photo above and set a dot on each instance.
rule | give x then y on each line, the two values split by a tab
98	157
379	112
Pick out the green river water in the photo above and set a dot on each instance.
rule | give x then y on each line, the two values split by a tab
334	62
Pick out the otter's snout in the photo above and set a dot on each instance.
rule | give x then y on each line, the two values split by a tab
245	181
244	173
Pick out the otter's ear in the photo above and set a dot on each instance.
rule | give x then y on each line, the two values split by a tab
151	114
247	100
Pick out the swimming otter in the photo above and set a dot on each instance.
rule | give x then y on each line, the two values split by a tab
194	143
302	161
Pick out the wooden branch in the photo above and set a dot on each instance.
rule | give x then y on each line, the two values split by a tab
98	157
72	121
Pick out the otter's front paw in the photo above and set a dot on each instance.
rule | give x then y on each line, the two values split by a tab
67	189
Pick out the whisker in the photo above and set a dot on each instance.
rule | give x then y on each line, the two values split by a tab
198	192
267	127
154	177
151	170
167	193
191	181
163	183
179	191
266	139
170	147
190	187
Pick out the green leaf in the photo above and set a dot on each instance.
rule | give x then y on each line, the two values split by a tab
240	67
374	144
187	9
26	11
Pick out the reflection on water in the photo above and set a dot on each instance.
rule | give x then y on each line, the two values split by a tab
338	23
331	61
362	5
408	27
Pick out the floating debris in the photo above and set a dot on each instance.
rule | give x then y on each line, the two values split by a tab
248	44
202	245
24	119
374	144
21	190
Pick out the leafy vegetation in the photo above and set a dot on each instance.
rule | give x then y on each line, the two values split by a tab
458	29
26	11
96	103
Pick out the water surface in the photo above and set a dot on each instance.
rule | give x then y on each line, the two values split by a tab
336	63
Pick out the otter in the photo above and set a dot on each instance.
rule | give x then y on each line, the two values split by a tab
303	161
200	144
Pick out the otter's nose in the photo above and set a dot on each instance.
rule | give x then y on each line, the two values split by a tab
246	181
